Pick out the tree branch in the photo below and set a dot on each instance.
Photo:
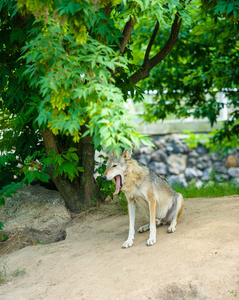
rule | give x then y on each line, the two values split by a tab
151	42
143	72
129	26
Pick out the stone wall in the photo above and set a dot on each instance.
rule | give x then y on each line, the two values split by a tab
179	164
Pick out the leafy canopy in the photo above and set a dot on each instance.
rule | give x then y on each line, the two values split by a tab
64	69
73	58
203	63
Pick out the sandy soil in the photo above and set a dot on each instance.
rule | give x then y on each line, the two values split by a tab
199	261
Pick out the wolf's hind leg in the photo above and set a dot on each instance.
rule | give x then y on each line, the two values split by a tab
172	226
176	213
144	228
147	226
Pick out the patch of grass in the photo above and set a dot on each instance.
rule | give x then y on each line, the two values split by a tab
18	272
4	237
37	242
7	276
208	189
234	293
3	272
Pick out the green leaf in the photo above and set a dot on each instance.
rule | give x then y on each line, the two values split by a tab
59	159
80	169
30	176
51	153
74	156
2	201
72	149
136	141
147	142
230	8
1	225
126	141
44	177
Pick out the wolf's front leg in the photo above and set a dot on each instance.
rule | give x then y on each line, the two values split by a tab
131	211
152	236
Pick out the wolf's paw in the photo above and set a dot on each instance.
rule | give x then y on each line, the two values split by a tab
151	242
128	244
143	228
171	229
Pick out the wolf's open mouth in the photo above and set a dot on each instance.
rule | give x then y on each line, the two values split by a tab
118	182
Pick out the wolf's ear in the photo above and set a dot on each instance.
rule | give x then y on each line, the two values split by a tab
112	153
127	154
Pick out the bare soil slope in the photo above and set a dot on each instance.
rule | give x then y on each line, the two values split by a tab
199	261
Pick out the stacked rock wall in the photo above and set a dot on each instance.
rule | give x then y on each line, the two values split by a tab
180	164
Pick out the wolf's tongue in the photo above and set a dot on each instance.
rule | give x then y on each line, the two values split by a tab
117	179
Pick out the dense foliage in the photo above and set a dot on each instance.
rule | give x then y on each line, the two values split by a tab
203	63
66	70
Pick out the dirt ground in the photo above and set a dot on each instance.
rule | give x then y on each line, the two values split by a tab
199	261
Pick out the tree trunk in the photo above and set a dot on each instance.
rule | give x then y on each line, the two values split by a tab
89	190
83	192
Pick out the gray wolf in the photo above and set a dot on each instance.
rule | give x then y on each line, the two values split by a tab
143	186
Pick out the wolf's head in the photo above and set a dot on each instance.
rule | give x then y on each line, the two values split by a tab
116	169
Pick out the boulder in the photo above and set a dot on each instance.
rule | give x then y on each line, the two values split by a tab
169	148
177	163
177	180
221	177
216	165
191	163
233	172
146	150
206	174
158	167
37	213
221	169
160	143
235	181
193	154
203	162
179	147
200	149
215	156
135	152
232	161
159	155
191	173
143	158
199	183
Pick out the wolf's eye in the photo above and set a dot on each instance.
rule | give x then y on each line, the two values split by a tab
114	166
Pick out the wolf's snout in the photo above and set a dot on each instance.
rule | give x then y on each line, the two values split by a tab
104	177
